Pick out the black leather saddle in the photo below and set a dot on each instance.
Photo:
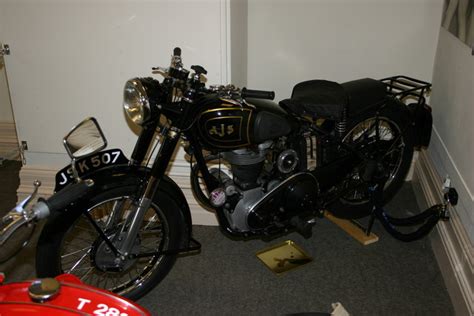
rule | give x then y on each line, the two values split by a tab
327	99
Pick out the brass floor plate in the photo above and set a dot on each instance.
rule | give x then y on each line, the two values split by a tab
284	257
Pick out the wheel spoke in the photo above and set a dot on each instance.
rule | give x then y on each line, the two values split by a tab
79	261
86	275
150	221
74	252
87	241
113	216
364	133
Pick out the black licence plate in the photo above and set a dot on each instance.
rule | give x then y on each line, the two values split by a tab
89	164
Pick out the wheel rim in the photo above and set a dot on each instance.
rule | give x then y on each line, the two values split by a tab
391	147
78	247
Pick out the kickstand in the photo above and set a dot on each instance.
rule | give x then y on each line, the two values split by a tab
376	197
371	223
354	228
373	191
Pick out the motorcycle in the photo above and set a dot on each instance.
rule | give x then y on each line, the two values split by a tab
266	169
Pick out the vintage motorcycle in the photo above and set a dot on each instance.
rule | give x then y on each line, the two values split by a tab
265	168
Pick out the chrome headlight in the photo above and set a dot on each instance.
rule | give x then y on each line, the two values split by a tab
135	101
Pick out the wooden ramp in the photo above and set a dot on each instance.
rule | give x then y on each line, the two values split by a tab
354	230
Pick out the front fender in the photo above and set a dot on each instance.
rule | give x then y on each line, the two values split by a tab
124	174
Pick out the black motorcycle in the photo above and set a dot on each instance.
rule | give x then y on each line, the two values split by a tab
265	168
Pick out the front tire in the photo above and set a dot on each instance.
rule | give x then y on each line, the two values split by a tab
69	243
394	144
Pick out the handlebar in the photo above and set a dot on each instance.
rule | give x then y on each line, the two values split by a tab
62	198
178	76
257	94
21	216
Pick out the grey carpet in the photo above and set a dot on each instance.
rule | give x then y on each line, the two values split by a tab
385	278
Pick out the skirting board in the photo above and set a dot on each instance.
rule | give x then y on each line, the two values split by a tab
452	247
30	173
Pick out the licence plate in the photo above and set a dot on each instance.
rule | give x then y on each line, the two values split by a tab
89	164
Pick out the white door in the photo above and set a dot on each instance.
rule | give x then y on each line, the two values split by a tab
9	149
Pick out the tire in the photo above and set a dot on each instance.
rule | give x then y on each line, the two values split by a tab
396	147
70	244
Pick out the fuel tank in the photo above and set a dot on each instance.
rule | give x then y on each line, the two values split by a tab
230	124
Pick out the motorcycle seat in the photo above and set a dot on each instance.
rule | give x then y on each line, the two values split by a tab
327	99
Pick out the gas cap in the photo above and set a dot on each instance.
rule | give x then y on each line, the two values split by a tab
43	290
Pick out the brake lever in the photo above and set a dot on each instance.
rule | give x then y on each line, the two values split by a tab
20	207
18	216
10	223
160	70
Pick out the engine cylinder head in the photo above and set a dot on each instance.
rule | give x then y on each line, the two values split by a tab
247	164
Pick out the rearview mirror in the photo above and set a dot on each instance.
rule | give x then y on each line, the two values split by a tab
85	139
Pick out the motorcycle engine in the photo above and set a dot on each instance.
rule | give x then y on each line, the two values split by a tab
246	165
263	190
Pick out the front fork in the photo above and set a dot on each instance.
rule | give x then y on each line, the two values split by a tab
160	165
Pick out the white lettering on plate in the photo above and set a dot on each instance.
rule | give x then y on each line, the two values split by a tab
105	310
106	158
116	154
95	161
83	301
64	179
82	165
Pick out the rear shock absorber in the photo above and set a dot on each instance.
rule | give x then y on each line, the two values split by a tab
341	125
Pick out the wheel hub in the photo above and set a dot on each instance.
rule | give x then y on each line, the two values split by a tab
105	259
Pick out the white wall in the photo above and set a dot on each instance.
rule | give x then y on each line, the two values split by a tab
238	42
339	40
452	147
71	58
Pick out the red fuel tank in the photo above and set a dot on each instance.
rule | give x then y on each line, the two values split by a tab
64	295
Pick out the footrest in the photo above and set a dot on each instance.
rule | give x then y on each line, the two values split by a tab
354	230
194	245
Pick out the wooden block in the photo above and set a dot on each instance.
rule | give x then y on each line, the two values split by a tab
352	229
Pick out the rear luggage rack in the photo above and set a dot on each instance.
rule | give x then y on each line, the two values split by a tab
401	87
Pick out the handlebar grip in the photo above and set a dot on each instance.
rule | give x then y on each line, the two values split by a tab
258	94
67	195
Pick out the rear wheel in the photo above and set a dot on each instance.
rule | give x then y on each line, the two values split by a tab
386	139
71	244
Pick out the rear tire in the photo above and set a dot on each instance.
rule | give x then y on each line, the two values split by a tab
70	244
396	138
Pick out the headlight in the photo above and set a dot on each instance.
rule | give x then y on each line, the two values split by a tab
135	101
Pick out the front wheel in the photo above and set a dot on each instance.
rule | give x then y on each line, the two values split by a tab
387	139
71	244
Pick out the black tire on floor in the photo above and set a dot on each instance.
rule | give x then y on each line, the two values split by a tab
398	119
61	225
